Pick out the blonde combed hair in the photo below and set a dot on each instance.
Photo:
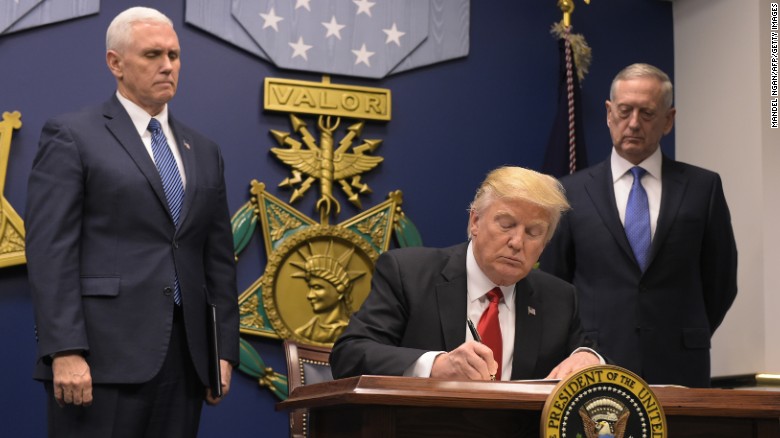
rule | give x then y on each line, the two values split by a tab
512	182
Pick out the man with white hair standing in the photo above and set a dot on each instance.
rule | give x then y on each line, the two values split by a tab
129	246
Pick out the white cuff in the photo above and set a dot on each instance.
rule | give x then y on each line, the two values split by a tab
423	365
590	350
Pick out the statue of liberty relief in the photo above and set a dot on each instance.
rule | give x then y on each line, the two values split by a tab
329	293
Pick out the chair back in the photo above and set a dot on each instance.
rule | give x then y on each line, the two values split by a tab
306	365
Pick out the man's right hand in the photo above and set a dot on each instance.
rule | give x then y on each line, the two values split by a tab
472	360
72	379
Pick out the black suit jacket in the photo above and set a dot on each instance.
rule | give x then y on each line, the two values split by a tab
102	248
657	323
418	304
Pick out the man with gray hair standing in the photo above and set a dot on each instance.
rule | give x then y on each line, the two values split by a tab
648	243
129	247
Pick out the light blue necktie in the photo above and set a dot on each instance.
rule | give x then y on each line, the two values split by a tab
638	219
171	181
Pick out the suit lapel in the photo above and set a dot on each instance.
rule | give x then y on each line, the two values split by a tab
673	186
601	191
528	332
185	145
121	127
451	296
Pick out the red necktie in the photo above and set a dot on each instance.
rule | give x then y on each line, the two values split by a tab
489	328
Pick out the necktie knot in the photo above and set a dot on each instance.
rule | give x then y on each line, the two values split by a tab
494	295
154	126
637	171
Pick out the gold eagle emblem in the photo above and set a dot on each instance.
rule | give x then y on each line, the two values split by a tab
321	162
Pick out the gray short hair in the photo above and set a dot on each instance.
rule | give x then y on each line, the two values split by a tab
645	71
118	33
511	182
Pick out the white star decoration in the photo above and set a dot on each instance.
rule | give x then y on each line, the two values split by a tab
362	55
364	6
360	38
271	19
334	28
300	49
393	35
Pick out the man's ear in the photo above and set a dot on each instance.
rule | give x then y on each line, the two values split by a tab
114	62
669	120
473	218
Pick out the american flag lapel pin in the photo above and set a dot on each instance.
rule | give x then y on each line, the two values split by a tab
531	311
186	145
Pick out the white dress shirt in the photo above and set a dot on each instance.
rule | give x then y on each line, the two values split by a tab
478	285
141	119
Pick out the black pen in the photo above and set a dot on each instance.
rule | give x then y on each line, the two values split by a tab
475	335
474	332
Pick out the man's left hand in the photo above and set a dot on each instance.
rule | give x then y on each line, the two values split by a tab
572	364
226	370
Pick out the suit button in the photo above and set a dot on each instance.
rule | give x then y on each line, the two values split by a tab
175	244
167	291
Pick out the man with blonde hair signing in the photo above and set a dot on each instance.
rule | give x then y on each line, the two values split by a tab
414	321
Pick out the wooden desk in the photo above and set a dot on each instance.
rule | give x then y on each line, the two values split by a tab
382	406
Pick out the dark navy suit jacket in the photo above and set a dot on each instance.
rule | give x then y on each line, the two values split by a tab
102	248
418	303
657	323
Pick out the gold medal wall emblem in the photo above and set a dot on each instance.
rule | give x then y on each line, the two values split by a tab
603	401
317	273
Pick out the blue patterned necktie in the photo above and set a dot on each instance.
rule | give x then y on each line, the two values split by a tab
171	181
638	219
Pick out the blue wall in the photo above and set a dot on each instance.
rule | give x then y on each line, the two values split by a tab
452	123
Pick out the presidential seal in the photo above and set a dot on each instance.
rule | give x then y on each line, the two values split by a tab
603	401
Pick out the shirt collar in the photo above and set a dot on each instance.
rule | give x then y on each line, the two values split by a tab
620	166
140	117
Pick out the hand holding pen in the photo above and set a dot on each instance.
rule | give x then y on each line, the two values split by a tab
477	337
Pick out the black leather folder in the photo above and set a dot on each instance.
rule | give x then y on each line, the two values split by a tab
215	374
